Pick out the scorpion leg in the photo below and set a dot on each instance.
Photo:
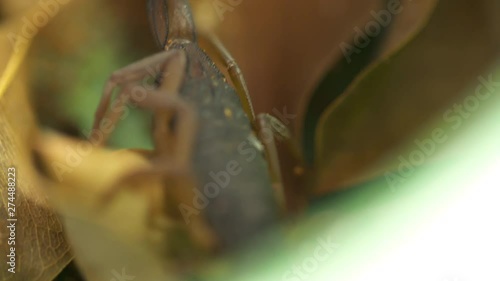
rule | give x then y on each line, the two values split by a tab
177	166
172	167
171	85
179	162
263	122
269	129
235	74
126	78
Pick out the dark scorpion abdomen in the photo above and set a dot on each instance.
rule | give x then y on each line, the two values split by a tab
231	172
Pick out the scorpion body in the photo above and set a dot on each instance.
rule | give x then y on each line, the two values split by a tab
230	170
228	184
228	165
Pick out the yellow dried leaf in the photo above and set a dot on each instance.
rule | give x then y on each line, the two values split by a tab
106	236
40	246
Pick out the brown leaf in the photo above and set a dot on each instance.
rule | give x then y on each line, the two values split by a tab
412	18
284	47
41	249
389	29
390	102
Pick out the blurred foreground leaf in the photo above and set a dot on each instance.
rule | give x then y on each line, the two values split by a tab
109	239
41	248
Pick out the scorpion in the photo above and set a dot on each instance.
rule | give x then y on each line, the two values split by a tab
222	176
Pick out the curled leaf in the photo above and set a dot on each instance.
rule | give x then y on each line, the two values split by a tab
394	99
